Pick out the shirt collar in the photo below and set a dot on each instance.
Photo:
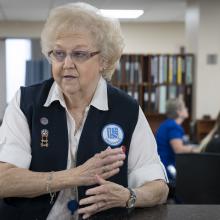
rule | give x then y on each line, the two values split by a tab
99	100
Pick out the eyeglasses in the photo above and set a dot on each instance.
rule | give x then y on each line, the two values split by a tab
77	56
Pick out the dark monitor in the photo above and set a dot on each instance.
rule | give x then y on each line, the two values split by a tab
198	178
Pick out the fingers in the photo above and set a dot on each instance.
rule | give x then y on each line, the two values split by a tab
96	202
106	164
100	180
97	190
108	157
110	173
113	158
92	209
109	151
109	161
112	166
105	196
110	170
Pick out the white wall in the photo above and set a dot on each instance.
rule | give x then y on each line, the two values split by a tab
20	29
208	79
153	37
2	78
139	37
204	18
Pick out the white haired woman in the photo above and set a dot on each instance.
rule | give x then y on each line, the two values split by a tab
64	135
170	135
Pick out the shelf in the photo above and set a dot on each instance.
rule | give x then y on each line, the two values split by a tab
152	79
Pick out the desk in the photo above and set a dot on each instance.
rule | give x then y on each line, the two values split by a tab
178	212
171	212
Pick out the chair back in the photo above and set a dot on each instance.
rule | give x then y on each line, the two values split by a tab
198	178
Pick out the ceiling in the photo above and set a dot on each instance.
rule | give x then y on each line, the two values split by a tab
37	10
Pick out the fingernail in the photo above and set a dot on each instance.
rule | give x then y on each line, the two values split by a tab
85	216
123	149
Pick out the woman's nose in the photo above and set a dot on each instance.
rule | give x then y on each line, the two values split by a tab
68	62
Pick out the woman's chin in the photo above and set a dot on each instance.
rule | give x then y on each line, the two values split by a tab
70	90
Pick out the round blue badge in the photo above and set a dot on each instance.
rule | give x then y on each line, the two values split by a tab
112	134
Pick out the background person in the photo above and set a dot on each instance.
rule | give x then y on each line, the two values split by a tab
170	135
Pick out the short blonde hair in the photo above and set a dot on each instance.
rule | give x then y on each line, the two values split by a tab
173	106
78	17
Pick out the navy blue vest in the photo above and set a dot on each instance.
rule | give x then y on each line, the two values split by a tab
123	110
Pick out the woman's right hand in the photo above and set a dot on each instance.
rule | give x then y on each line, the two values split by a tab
105	164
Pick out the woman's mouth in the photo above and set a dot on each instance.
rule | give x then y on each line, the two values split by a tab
69	77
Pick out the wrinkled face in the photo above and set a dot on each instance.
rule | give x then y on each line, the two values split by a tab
76	64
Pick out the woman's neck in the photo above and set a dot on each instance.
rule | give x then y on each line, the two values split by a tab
77	101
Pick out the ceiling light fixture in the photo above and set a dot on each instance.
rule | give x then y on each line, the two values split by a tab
131	14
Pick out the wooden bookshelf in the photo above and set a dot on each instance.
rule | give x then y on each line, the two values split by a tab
153	79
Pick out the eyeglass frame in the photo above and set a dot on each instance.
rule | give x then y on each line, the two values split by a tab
72	57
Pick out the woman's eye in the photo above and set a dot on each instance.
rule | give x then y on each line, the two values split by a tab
59	53
80	54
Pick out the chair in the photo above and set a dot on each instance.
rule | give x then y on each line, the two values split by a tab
198	178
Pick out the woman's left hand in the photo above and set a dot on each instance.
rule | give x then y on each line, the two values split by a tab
105	196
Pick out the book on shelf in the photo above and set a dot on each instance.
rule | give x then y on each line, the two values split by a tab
179	70
162	68
154	69
189	66
172	94
162	99
174	78
152	79
170	70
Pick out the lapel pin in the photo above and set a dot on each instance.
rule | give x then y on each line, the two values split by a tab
72	205
44	121
44	138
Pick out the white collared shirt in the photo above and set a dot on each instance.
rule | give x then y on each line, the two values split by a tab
143	161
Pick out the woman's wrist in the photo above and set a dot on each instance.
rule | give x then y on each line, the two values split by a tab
73	177
126	196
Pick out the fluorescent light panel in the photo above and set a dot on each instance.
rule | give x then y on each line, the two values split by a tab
132	14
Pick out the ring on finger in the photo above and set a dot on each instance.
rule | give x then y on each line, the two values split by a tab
97	207
103	170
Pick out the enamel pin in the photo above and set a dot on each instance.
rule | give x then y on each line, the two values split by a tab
72	205
44	138
112	134
44	121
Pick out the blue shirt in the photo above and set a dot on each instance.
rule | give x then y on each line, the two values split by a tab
168	131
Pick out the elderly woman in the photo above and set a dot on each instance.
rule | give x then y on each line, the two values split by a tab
170	135
62	136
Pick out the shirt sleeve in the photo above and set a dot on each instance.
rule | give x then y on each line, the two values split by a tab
15	136
175	132
143	161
